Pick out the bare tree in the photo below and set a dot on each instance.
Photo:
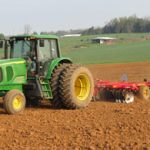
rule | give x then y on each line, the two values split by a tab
27	29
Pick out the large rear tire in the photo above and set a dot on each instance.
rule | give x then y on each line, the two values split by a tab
144	92
14	102
56	101
76	87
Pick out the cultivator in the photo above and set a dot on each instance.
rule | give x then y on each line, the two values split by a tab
123	92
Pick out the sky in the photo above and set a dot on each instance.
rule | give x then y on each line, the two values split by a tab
53	15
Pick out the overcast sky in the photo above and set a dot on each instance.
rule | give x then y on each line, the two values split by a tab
52	15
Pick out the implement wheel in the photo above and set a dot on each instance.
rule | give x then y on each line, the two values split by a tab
76	86
14	102
128	97
144	92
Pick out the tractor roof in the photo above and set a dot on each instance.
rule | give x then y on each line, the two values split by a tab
34	36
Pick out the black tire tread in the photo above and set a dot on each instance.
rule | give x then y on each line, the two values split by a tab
54	82
65	86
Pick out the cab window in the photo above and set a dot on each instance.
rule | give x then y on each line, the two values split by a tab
22	48
48	49
54	48
44	50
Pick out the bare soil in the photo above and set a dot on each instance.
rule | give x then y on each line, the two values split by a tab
102	125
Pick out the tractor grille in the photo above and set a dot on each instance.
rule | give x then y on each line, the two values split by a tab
10	73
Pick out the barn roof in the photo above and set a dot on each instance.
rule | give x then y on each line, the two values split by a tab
104	38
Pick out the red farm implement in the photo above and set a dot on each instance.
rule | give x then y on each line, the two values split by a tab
121	91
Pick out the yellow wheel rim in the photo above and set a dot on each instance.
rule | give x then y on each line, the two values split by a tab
82	87
146	92
17	102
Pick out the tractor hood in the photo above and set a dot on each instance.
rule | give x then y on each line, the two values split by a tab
12	61
13	71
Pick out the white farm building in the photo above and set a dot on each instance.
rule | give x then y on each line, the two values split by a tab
102	40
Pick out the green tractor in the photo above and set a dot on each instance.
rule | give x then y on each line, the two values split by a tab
33	70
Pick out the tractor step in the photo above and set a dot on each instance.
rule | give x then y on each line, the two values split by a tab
45	88
44	83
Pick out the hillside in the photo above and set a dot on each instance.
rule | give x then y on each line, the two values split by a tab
128	48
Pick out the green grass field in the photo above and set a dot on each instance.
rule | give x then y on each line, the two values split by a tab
128	48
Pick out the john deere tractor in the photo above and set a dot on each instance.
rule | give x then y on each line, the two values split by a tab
33	70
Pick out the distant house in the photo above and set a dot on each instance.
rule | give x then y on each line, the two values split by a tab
71	35
103	40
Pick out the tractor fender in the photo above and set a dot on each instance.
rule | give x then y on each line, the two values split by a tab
55	63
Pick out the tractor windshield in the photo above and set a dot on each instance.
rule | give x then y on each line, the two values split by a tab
22	48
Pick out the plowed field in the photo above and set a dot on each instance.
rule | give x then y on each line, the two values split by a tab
102	125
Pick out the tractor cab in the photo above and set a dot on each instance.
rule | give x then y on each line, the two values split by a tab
42	56
37	50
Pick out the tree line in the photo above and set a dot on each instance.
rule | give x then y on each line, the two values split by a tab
130	24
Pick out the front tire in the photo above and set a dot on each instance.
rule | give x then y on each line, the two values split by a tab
14	102
76	86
